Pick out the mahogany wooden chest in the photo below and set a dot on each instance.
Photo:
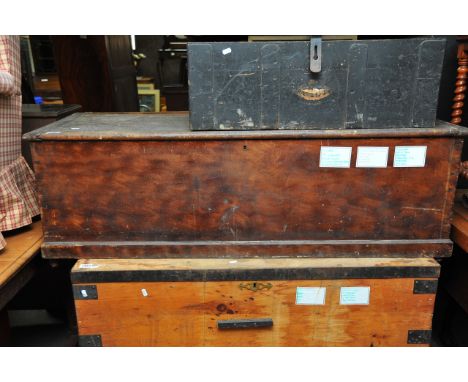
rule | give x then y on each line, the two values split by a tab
255	302
133	185
370	84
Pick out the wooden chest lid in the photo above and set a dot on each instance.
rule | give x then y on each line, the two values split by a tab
175	126
128	270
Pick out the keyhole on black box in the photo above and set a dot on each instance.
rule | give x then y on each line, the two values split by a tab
315	57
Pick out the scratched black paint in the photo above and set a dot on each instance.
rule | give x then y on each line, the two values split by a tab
268	85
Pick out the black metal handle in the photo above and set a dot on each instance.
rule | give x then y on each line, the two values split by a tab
245	323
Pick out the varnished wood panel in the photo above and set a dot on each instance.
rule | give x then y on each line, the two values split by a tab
242	197
170	315
186	314
392	311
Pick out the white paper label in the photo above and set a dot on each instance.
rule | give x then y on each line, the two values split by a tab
410	156
354	295
226	51
310	295
88	266
338	157
369	156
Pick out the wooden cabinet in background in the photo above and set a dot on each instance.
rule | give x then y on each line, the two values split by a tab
97	72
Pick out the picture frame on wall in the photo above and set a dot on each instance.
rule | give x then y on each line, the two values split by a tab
149	100
145	86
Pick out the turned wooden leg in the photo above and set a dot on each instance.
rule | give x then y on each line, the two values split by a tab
460	84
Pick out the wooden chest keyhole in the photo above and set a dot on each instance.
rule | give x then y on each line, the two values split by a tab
315	52
254	286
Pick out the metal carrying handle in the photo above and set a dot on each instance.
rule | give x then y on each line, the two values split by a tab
245	323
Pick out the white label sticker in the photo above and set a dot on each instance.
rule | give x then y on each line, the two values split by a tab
410	156
310	295
369	156
338	157
227	51
354	295
88	266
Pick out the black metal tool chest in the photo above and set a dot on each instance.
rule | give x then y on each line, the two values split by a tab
356	84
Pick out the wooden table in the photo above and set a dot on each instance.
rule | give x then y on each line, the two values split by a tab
451	312
460	225
18	264
456	281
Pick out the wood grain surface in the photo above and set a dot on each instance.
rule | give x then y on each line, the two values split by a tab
241	197
19	260
186	314
21	247
92	266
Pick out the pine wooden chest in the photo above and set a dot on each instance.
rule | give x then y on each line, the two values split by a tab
255	302
133	185
371	84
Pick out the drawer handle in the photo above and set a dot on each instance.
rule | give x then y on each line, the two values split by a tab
245	324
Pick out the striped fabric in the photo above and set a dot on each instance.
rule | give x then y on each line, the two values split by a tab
18	200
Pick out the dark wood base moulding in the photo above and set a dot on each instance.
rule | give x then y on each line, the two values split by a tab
227	249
